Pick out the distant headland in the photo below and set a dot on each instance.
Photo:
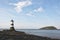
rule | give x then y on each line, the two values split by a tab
49	28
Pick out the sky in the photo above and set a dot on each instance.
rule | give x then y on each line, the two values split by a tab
30	14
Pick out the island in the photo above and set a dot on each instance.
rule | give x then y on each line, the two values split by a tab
12	34
49	28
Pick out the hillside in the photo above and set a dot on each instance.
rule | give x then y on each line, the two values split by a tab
49	28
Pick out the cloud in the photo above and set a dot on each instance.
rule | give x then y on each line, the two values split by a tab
32	13
20	5
29	14
40	9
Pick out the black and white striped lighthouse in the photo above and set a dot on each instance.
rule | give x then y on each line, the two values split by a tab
12	26
12	23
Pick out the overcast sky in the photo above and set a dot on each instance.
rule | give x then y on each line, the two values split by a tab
30	14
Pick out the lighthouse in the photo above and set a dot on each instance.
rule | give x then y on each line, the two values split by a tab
12	23
12	26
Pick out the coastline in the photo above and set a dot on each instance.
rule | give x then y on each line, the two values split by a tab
16	35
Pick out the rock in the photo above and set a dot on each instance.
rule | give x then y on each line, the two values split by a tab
16	35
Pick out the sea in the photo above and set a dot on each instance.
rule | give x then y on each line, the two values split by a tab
45	33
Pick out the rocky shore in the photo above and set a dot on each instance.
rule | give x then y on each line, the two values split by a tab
15	35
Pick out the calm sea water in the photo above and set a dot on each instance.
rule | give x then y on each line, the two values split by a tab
45	33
